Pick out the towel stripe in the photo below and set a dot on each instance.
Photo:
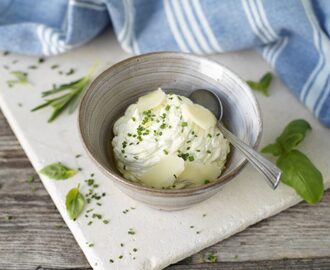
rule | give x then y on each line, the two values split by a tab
128	40
277	51
125	25
314	91
261	10
174	27
205	25
184	27
89	5
195	27
250	17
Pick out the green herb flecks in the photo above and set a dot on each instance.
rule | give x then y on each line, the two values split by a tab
58	171
263	84
21	78
184	156
70	72
74	202
211	257
298	171
70	99
131	231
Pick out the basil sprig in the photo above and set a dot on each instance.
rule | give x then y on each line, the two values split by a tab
74	202
298	171
262	85
58	171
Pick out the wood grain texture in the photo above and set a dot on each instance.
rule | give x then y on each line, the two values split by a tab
34	236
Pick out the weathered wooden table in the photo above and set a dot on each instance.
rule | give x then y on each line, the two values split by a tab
34	236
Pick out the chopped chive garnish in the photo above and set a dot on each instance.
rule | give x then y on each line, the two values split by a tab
184	124
70	72
166	152
98	216
131	231
167	108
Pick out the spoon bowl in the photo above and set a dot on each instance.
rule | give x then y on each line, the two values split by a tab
212	101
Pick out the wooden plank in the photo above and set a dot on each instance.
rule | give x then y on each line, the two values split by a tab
34	236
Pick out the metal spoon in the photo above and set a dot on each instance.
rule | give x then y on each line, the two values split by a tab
212	102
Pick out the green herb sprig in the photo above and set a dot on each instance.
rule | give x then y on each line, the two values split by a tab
57	171
74	202
21	78
263	84
70	99
298	171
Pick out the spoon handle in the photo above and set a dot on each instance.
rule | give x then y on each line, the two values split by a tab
263	165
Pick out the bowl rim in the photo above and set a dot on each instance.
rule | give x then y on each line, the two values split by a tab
167	192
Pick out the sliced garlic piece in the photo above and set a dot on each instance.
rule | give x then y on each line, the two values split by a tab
198	173
151	100
164	173
199	115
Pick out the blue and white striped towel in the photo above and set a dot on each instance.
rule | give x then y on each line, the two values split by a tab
293	36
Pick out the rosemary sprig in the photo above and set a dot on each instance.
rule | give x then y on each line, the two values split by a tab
70	99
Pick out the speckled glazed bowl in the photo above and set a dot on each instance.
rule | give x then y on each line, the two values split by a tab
120	85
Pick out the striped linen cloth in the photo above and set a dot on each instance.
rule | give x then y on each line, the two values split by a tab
292	36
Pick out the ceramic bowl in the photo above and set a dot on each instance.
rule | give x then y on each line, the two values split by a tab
116	88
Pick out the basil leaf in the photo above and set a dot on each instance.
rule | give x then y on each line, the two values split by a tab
263	84
274	149
301	174
74	202
58	171
293	134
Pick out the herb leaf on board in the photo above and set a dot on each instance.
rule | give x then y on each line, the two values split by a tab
293	134
74	202
298	171
21	78
70	98
301	174
263	84
57	171
274	148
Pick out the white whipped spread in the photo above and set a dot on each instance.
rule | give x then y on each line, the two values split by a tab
143	138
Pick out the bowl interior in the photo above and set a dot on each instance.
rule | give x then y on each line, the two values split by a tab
119	86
